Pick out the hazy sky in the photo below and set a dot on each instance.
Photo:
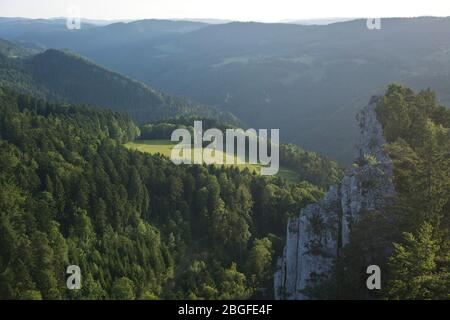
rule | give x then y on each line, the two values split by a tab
245	10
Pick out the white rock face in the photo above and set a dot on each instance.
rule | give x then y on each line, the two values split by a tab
314	238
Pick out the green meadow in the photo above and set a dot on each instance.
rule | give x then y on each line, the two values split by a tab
164	147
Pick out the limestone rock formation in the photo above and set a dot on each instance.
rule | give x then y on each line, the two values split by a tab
315	238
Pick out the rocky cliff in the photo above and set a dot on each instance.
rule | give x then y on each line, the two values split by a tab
315	238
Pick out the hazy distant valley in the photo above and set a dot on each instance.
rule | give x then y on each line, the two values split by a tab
309	81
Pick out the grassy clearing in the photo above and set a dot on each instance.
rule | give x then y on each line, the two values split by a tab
164	147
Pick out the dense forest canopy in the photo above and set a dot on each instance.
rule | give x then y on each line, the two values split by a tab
137	225
417	130
141	227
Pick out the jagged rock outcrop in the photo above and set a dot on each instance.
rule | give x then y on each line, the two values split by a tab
315	238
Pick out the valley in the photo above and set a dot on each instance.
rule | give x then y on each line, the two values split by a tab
307	80
87	177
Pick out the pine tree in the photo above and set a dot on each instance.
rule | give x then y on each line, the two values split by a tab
414	271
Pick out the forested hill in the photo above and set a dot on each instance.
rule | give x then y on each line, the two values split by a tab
137	225
63	76
90	35
13	50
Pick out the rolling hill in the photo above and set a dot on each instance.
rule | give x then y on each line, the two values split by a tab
309	81
68	77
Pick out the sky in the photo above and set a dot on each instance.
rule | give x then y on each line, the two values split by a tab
239	10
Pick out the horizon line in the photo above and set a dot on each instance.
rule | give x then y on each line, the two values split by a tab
225	20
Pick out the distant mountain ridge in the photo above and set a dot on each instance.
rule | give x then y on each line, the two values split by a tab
55	34
65	76
307	80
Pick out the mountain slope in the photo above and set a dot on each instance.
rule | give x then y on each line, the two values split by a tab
67	77
16	50
309	81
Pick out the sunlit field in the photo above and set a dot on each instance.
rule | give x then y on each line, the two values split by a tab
164	147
